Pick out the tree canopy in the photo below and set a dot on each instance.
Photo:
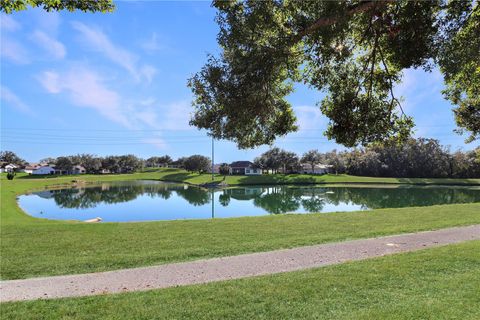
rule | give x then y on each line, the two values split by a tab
197	163
11	157
9	6
354	51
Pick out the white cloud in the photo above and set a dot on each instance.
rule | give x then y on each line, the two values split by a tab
148	72
418	87
53	47
310	118
176	115
50	81
148	102
148	117
10	98
7	23
86	88
13	51
157	142
153	45
99	41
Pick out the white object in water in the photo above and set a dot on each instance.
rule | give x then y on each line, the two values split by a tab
97	219
329	192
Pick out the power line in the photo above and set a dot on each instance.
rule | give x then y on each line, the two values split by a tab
178	129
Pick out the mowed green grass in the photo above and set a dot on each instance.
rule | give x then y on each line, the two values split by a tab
438	283
33	247
195	178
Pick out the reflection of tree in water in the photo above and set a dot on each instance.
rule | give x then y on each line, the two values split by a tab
90	197
375	198
313	199
224	199
195	196
313	204
278	199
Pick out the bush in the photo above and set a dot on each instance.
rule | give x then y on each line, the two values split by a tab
10	175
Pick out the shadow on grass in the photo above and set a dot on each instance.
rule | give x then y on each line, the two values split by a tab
278	179
181	176
437	181
48	176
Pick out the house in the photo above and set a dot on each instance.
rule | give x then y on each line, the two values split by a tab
31	167
244	168
317	169
77	170
45	170
246	193
9	167
216	168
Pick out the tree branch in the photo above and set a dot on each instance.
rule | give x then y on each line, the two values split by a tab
362	6
391	83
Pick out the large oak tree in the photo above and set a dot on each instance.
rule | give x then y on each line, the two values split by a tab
354	51
8	6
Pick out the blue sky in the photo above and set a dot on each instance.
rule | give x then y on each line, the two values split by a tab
116	84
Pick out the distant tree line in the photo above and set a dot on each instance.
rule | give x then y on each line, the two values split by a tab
278	160
415	158
93	164
129	163
11	157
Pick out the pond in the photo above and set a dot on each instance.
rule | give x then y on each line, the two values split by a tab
154	200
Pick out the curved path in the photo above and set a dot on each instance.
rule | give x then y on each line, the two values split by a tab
217	269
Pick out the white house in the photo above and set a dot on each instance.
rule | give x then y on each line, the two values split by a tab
244	167
317	169
30	168
77	170
44	170
9	167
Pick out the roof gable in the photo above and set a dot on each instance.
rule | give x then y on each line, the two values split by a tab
241	164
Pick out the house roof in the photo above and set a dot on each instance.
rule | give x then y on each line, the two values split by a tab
241	164
45	166
32	166
9	165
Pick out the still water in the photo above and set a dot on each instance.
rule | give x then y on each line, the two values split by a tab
153	200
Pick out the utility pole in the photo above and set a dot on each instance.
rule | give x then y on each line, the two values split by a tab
213	162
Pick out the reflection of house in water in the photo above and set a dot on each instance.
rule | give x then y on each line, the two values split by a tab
244	193
46	194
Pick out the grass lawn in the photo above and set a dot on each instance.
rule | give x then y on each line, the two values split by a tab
183	176
439	283
33	247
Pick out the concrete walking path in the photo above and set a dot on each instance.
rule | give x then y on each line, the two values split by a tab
234	267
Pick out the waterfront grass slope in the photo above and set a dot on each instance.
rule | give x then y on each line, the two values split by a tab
34	247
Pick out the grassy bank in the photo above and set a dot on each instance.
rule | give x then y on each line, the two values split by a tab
439	283
194	178
178	175
34	247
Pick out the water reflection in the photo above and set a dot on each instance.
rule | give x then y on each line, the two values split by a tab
177	201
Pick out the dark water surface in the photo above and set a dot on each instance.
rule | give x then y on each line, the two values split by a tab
153	200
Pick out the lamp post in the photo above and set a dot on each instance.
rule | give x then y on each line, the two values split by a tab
213	170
